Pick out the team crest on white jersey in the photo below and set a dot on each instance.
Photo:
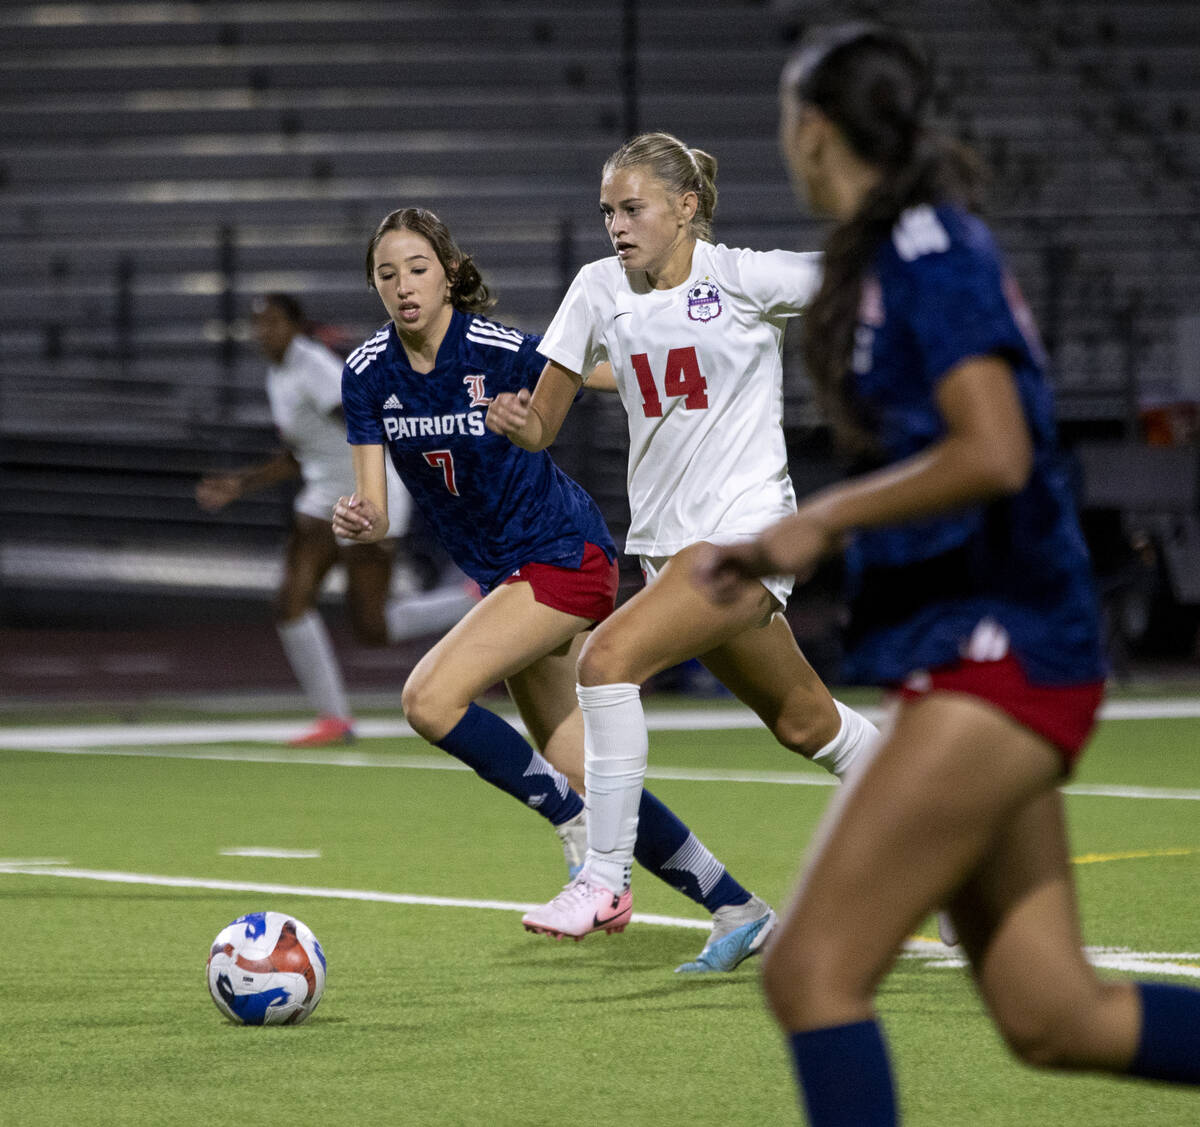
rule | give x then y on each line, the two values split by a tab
475	390
704	301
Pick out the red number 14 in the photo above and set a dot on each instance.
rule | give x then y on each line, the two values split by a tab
682	377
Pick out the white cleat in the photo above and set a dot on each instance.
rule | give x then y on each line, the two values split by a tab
581	908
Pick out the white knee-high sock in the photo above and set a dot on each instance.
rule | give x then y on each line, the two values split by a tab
851	747
432	612
310	654
615	747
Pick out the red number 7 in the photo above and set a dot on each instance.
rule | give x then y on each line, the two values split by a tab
443	460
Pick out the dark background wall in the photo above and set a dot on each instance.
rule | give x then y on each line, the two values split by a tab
160	164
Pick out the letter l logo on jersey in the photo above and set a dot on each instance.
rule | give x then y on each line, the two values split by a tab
475	390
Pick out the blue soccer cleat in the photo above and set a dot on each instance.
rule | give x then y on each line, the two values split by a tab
738	932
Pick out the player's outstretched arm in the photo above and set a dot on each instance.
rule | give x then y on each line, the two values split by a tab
363	517
532	419
987	452
215	491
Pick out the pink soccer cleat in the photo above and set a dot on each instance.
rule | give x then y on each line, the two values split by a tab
327	730
582	907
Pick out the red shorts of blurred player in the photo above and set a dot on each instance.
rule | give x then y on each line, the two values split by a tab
588	591
1063	714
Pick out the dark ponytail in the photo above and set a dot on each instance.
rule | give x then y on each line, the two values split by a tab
874	85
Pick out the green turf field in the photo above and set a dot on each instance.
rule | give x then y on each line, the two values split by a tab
438	1014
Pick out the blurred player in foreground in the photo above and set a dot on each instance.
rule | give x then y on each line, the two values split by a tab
304	387
535	542
973	599
693	333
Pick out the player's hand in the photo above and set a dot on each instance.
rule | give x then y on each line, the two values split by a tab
359	519
509	414
794	546
218	490
723	572
797	544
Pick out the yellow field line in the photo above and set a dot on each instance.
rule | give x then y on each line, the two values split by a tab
1132	855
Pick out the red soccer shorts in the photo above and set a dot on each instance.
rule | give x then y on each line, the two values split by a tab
589	590
1065	715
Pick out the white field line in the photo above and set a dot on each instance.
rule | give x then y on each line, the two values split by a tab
16	867
301	757
271	852
180	741
731	717
1177	964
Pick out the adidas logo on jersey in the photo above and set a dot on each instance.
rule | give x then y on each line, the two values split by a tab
392	404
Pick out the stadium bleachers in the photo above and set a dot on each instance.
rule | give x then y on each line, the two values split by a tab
160	164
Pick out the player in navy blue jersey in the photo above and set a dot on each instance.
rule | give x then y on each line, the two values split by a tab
418	391
972	597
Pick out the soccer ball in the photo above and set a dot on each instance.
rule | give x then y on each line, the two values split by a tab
266	968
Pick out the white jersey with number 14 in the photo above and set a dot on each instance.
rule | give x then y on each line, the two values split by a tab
699	373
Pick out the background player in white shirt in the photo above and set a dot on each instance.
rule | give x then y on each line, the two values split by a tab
304	387
693	334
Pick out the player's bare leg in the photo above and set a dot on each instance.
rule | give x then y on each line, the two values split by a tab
368	586
1018	920
508	636
670	621
898	841
503	635
959	806
545	696
311	551
667	622
544	693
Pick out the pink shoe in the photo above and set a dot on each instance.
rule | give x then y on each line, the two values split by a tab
327	730
582	907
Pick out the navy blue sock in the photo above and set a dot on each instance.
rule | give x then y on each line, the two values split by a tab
1169	1047
674	854
496	751
844	1075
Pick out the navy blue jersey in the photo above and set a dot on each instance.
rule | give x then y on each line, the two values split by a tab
494	506
938	296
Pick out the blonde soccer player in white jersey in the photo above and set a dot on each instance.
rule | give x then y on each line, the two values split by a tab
693	332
